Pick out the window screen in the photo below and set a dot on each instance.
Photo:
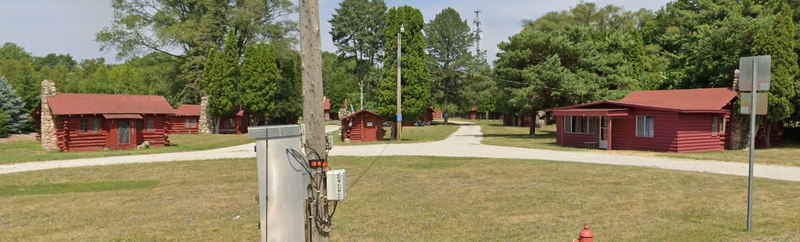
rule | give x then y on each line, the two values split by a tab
149	125
714	125
644	126
84	125
96	125
123	130
568	124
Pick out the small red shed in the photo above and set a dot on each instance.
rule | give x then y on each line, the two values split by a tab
98	121
687	120
185	119
362	126
326	106
473	112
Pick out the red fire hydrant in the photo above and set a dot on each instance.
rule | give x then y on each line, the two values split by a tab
586	235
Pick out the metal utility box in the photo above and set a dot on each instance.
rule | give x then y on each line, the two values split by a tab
282	182
337	182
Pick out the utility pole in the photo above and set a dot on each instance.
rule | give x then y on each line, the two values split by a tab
478	31
311	59
399	89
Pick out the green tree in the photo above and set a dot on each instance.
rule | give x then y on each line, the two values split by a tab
220	80
190	29
338	85
16	66
13	106
779	40
259	74
415	80
357	30
289	99
448	39
3	124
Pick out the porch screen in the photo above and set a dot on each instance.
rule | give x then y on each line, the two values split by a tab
644	126
124	132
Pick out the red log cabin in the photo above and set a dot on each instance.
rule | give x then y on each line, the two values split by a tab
100	121
234	123
688	120
362	126
185	119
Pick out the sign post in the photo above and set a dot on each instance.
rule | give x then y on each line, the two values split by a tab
754	76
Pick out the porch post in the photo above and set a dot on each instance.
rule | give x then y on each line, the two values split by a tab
608	133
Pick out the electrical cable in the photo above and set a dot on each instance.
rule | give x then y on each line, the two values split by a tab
368	167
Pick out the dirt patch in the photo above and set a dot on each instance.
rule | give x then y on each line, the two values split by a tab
19	137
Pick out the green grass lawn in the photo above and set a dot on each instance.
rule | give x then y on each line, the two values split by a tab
496	134
22	151
411	134
400	198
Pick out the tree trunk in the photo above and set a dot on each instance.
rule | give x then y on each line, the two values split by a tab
767	135
739	132
532	130
394	130
446	115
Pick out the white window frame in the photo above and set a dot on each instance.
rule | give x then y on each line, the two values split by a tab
648	131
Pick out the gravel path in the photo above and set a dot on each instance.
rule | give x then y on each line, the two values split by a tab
465	142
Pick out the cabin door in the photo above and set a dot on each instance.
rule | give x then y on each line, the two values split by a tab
603	133
124	134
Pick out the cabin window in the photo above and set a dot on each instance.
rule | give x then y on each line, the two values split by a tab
96	125
149	125
644	126
369	124
84	123
190	123
714	125
579	125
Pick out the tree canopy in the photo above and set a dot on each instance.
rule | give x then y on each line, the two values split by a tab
448	39
414	75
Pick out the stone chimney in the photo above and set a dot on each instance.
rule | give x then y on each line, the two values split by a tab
735	85
48	124
202	124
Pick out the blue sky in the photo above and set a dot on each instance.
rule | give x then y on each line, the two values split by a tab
68	26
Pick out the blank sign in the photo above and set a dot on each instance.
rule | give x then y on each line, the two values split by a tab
763	65
747	103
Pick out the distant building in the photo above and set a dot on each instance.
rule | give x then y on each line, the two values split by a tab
185	120
362	126
688	120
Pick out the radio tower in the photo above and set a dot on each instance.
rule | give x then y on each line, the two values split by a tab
477	22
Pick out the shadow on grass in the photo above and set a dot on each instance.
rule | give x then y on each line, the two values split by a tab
77	187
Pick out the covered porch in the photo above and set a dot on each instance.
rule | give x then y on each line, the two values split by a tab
588	127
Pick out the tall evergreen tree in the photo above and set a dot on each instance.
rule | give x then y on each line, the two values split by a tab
13	106
448	39
415	80
357	32
289	99
221	79
259	74
779	41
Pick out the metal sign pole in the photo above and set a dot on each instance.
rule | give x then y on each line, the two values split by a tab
752	149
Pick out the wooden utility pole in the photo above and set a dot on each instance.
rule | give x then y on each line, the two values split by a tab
311	59
399	125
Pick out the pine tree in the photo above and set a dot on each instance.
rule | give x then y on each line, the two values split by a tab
415	80
289	99
13	106
778	41
220	78
259	74
3	124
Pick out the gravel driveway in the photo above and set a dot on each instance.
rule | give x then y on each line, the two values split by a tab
465	142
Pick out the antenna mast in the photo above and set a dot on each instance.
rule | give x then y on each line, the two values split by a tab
478	31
